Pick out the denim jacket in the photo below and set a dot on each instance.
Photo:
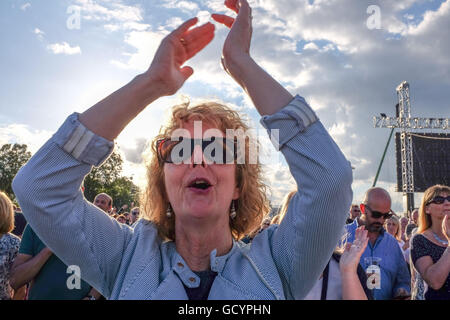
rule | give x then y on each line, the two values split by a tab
282	262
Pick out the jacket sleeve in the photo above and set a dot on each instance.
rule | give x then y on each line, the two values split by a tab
48	190
305	239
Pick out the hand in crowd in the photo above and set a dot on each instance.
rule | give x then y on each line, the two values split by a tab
179	46
47	251
353	251
446	227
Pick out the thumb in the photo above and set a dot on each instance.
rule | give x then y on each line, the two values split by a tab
187	72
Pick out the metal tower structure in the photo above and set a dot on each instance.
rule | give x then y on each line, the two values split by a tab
406	123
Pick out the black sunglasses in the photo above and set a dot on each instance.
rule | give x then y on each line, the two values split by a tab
216	150
439	200
378	214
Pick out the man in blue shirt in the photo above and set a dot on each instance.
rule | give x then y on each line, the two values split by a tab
383	260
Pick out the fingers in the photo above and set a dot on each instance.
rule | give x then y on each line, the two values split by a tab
233	5
187	72
184	27
223	19
196	39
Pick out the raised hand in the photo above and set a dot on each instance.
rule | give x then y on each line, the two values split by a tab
182	44
237	44
446	226
352	254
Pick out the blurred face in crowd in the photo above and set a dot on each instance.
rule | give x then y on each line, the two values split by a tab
121	219
102	202
415	216
134	216
392	227
404	223
377	202
354	211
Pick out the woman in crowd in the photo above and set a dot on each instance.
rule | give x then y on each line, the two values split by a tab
430	251
198	203
393	227
9	245
121	218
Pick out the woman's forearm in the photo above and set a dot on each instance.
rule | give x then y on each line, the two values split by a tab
266	93
110	116
351	287
437	274
26	272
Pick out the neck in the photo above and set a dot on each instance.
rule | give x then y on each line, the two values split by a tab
373	237
436	228
195	245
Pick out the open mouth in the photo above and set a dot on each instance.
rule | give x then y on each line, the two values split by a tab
200	184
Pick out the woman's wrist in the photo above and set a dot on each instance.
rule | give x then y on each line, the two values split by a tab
148	87
238	66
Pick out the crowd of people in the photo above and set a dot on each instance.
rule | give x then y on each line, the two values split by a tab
202	229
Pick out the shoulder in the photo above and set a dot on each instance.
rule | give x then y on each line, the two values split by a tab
10	240
419	239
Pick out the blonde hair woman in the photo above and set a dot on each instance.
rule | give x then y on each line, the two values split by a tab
430	251
9	245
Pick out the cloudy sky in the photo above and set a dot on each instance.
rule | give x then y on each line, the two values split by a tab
346	57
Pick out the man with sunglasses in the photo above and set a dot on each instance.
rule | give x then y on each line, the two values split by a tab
382	252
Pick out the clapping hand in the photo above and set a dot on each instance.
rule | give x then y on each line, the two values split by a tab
352	254
237	44
167	70
446	226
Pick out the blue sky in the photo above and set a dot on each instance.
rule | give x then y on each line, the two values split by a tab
320	49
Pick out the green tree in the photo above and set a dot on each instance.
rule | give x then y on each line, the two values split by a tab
12	158
108	179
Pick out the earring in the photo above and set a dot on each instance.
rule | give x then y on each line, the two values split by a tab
169	211
232	211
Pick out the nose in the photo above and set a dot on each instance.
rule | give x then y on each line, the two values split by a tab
198	158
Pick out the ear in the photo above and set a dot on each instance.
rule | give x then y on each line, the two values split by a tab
362	207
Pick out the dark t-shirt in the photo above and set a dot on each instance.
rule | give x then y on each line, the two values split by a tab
422	247
206	281
51	281
19	224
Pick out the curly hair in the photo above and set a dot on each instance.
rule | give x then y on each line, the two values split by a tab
252	204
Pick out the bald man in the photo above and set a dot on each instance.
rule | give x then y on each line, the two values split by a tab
383	253
104	202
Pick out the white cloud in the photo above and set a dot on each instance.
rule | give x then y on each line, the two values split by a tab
311	46
23	134
39	33
63	48
25	6
187	6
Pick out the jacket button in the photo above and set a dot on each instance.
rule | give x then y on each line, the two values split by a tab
180	265
192	279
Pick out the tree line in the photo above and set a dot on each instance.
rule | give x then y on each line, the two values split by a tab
108	178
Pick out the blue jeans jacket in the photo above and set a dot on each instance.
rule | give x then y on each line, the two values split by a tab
283	262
